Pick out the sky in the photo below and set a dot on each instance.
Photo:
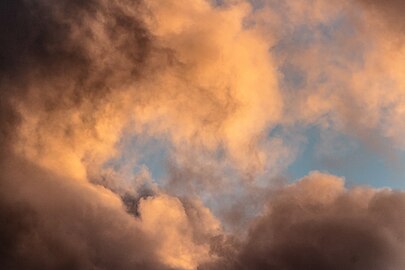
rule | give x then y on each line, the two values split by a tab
202	134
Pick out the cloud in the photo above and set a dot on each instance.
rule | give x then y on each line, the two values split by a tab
50	222
318	224
76	76
226	88
183	234
389	11
86	72
341	65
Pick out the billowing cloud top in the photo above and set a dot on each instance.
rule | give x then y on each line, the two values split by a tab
220	93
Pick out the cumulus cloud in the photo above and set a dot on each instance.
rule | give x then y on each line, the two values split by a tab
341	65
50	222
225	87
86	71
318	224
